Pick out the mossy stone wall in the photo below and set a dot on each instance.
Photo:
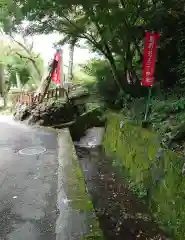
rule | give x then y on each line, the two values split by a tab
153	170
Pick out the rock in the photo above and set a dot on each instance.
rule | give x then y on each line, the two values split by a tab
40	122
49	114
61	114
92	118
22	112
178	133
87	120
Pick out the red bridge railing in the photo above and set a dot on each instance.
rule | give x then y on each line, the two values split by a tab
31	98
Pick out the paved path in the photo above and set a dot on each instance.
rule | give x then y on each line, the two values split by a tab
28	184
43	196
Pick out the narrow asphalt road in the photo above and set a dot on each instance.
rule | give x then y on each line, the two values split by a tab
28	183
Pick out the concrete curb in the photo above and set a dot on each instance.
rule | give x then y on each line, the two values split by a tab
77	219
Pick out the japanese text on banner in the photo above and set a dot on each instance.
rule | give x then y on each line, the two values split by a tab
150	50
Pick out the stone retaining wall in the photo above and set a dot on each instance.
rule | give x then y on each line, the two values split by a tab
73	200
155	174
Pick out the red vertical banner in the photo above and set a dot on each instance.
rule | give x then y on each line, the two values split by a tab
56	77
150	51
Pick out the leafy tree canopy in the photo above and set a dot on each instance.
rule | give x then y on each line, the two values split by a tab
114	29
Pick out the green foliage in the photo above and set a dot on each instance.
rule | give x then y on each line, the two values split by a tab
179	104
10	14
18	61
80	77
115	29
96	23
157	170
104	86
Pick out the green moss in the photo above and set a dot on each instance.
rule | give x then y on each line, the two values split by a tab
92	236
136	150
76	187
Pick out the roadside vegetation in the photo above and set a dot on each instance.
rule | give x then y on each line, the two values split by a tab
114	31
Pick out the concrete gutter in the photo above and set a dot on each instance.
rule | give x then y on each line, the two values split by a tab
77	219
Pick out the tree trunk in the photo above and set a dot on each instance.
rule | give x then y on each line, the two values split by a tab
132	77
106	50
44	86
5	99
2	85
19	85
2	79
70	69
114	71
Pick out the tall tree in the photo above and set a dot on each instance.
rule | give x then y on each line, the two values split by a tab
114	28
71	55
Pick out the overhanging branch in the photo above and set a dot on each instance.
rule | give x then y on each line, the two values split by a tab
32	59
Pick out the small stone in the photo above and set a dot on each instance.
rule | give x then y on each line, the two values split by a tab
183	169
159	153
121	124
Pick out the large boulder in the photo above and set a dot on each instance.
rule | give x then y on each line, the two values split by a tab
93	118
89	119
52	113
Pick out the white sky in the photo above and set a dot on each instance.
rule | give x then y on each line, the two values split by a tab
43	44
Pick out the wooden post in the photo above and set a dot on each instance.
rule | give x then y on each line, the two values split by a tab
39	97
148	103
48	94
27	98
35	99
31	98
22	98
31	102
61	68
60	92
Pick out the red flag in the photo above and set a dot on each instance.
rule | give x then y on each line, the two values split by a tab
56	77
150	50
